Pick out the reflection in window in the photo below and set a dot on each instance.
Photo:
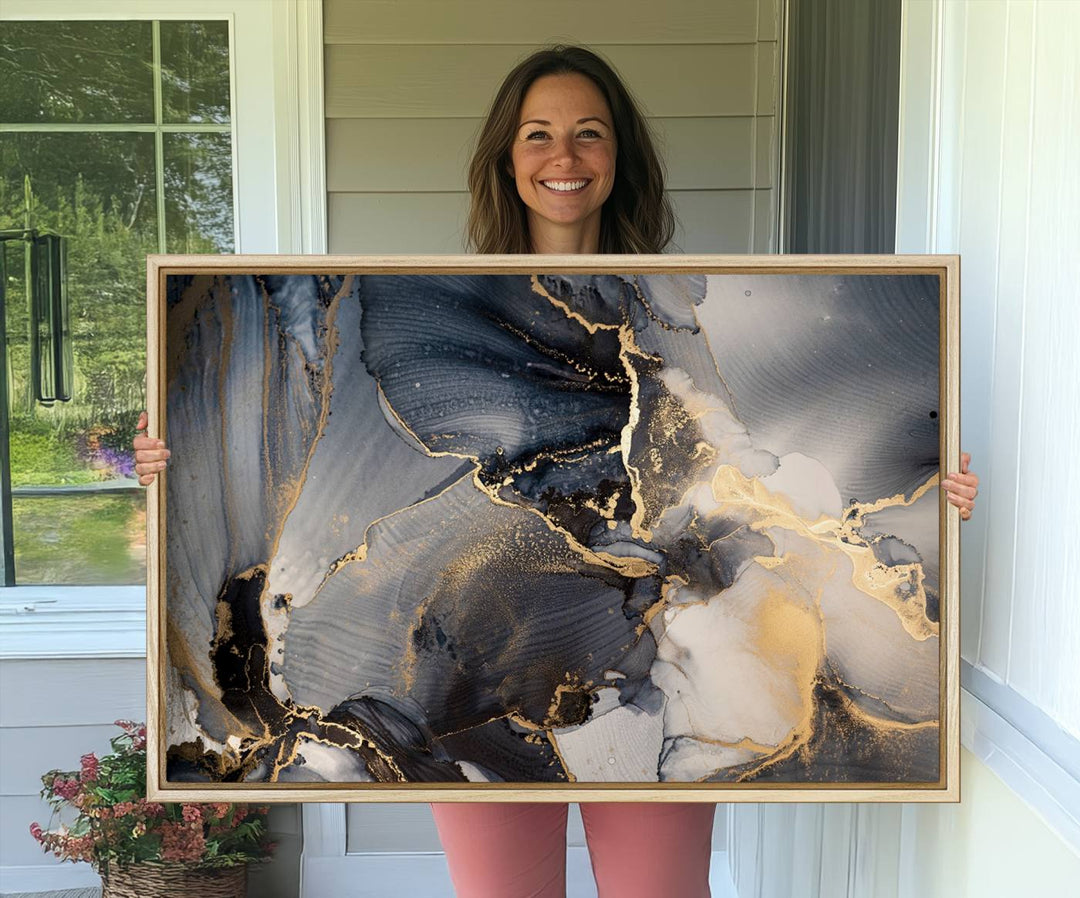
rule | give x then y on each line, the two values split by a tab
59	72
118	136
198	175
195	71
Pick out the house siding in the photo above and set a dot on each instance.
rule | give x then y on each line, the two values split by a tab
408	84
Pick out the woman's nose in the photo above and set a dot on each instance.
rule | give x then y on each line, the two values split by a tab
564	150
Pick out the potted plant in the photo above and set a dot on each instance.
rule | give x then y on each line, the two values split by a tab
145	847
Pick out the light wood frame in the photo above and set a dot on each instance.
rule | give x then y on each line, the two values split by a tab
947	267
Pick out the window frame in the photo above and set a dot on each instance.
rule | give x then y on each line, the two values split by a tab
279	207
1008	732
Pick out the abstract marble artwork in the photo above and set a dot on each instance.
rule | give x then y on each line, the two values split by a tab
534	529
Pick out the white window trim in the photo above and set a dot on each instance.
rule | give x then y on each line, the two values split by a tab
278	142
1032	755
301	125
73	622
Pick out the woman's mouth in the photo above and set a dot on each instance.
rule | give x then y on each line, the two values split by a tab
569	186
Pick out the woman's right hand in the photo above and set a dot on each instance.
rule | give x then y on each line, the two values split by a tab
150	454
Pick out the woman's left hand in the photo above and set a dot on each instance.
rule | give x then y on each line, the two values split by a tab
962	488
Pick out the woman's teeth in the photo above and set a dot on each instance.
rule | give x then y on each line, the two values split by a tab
564	185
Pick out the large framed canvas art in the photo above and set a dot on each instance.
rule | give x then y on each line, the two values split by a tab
553	528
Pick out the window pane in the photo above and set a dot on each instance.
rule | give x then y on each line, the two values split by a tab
97	190
198	193
195	71
81	539
76	72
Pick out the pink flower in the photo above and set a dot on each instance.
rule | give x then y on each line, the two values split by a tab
123	808
36	832
192	813
150	808
65	788
181	842
79	848
89	767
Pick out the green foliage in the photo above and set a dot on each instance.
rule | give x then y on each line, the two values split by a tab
41	458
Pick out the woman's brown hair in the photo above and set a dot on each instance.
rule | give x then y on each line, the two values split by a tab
637	216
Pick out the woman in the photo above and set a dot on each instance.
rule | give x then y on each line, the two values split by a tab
565	165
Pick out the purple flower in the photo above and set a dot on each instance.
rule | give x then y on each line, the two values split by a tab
118	462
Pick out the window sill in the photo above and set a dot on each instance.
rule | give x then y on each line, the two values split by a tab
73	622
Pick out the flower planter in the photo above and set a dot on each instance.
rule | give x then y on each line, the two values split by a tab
174	881
149	849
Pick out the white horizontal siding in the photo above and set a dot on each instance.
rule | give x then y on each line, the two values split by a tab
397	222
27	752
76	692
501	22
407	81
709	221
407	85
390	827
374	828
432	154
715	221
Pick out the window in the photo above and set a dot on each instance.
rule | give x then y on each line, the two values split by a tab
116	135
278	172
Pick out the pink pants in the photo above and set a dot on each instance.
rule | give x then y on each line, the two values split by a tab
638	850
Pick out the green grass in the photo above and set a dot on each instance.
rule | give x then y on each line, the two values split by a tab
40	458
84	540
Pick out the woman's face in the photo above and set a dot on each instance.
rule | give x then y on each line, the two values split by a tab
563	159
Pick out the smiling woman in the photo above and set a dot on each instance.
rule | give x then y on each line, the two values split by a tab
560	117
563	162
563	154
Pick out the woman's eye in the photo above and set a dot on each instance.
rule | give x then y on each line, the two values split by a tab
536	135
589	132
